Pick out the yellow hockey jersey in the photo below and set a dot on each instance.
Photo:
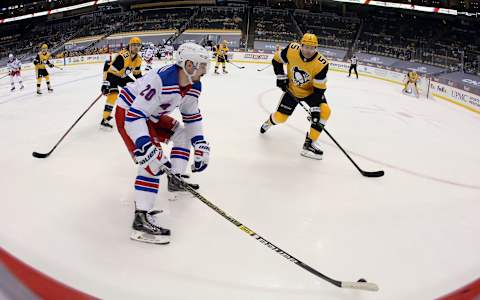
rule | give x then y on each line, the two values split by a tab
124	63
41	61
412	76
303	74
221	51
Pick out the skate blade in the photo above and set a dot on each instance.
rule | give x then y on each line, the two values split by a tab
105	128
310	155
149	238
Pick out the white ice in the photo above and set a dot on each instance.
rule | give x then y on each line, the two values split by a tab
415	232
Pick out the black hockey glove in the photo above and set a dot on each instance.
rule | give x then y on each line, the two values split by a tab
105	87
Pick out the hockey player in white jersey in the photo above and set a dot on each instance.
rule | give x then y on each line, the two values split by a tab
14	67
142	119
148	56
169	51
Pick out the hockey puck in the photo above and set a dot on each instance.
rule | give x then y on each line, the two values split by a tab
361	280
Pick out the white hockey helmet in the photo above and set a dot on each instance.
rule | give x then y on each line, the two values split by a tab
10	56
194	53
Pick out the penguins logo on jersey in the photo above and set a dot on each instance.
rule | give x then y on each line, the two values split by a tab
300	77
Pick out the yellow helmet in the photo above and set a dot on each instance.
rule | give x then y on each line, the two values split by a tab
135	40
44	47
309	39
225	42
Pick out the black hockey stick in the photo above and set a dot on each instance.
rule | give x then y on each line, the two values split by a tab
240	67
44	155
361	284
364	173
263	69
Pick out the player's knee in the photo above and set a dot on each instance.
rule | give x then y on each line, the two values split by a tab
279	117
325	111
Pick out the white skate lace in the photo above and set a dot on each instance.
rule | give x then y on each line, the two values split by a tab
152	220
316	145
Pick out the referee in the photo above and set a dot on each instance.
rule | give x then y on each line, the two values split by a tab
353	65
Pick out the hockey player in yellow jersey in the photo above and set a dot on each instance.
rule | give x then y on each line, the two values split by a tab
411	78
41	62
221	52
306	80
118	73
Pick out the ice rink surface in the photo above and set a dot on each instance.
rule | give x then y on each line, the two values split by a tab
415	232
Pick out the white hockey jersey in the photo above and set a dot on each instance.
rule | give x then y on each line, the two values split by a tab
169	48
14	65
158	93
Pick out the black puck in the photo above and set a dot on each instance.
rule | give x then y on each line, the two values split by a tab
361	280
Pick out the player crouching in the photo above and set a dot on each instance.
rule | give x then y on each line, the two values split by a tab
124	65
411	79
143	122
306	80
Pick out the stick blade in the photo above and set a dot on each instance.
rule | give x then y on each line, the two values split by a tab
40	155
373	174
366	286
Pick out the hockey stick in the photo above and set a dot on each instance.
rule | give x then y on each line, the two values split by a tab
4	76
263	69
240	67
364	173
361	284
57	67
44	155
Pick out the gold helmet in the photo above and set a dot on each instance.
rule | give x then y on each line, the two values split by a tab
225	42
44	47
309	39
135	40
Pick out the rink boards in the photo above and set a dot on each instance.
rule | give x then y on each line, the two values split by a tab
436	89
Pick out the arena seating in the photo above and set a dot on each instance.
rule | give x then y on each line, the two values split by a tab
435	39
273	25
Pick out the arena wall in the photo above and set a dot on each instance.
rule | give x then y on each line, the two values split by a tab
437	89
